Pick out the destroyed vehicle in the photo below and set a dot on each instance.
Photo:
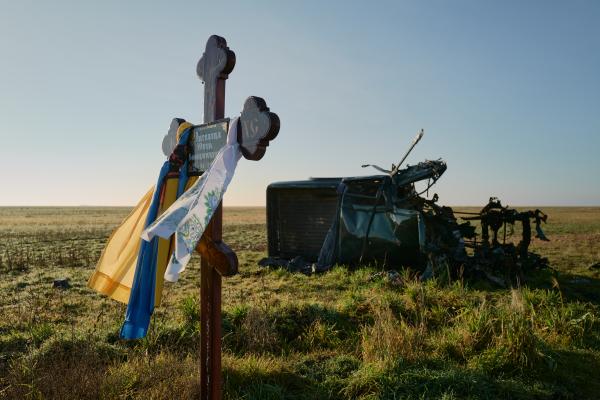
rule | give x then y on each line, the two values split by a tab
351	220
383	220
379	219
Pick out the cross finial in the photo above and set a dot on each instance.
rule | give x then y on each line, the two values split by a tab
258	126
213	68
170	139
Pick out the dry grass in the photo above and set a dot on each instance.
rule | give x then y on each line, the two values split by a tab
341	334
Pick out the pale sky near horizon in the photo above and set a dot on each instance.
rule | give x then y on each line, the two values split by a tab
508	94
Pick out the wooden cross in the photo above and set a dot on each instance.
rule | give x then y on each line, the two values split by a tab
257	126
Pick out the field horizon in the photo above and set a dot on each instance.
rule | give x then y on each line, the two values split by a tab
225	206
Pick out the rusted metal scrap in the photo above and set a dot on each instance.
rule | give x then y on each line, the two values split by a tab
490	255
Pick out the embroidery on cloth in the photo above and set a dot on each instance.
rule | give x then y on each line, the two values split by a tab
191	231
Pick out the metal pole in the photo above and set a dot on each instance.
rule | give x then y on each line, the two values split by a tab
414	143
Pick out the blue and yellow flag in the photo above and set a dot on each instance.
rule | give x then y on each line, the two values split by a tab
131	270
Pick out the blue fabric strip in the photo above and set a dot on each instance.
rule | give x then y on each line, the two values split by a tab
141	298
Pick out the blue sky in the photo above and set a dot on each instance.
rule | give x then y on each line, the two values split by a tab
508	94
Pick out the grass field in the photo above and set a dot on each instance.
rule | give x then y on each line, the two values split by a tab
339	335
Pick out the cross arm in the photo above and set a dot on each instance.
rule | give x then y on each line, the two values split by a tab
257	127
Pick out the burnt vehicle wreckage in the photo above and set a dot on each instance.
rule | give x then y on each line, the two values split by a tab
383	220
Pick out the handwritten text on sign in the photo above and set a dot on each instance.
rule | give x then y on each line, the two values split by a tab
206	141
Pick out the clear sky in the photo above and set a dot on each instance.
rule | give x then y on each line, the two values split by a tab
508	93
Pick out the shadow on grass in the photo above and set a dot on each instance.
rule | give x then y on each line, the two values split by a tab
343	377
261	382
573	286
580	287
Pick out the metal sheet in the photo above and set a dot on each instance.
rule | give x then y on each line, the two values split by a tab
299	219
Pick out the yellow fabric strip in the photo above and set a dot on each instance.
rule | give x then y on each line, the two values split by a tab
164	245
115	269
191	181
105	284
116	266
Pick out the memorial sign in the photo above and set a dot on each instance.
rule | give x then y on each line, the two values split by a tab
206	141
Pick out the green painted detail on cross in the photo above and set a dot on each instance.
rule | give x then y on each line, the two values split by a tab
206	141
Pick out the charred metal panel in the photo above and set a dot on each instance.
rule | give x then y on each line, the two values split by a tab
388	237
299	214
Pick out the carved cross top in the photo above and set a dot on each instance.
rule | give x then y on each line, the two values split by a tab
213	68
257	124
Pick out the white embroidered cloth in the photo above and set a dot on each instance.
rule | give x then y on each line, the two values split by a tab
189	215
